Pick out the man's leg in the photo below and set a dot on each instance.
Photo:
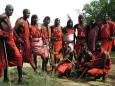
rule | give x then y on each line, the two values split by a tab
19	68
6	78
35	60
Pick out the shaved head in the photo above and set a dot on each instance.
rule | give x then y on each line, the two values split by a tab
9	6
26	13
9	10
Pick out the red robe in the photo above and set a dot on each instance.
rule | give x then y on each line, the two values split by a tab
2	59
63	67
13	55
66	65
46	35
81	38
92	37
25	36
37	42
57	42
106	31
106	63
113	42
69	38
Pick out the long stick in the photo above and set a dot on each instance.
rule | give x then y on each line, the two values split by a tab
82	74
71	61
6	59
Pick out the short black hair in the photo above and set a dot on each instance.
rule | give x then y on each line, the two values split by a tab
26	11
34	16
47	17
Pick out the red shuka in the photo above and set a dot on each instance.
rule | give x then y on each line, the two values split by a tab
57	42
13	55
106	32
81	38
25	36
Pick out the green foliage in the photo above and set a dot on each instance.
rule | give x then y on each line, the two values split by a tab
99	8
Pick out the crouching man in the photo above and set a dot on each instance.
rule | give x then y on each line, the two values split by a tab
101	64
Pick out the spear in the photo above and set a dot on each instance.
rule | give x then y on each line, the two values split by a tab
6	60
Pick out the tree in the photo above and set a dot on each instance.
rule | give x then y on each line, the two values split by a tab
111	11
97	9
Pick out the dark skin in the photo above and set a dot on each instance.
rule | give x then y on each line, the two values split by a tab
57	22
105	19
26	14
46	21
9	11
80	19
103	58
69	24
34	21
20	30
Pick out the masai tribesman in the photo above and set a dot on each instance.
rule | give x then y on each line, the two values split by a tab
100	65
69	36
8	50
80	67
107	31
57	40
81	37
92	35
22	34
36	39
46	35
64	67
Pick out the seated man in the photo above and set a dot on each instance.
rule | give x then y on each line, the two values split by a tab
64	67
100	65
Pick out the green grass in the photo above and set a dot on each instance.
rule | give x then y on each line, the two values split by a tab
113	54
32	79
40	79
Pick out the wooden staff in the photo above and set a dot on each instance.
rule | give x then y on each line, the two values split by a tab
82	73
6	60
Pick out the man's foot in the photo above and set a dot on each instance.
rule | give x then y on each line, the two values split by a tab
6	80
22	82
19	81
91	78
104	77
24	73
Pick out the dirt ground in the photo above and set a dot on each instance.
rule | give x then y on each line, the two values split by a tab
110	80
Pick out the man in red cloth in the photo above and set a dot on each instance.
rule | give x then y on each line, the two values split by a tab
36	40
100	65
64	67
107	34
81	37
92	35
8	51
22	34
46	35
57	40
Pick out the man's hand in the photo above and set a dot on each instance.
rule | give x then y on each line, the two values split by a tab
88	64
4	37
20	41
111	38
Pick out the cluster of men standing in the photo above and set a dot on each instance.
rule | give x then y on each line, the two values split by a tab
90	45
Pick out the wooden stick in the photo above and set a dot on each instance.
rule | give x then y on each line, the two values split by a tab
6	59
82	74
